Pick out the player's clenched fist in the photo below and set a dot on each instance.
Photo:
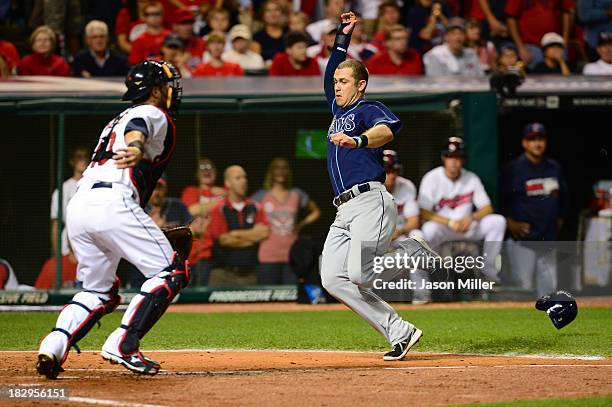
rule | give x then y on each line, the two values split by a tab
342	140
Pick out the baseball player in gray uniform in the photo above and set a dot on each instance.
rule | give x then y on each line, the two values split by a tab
367	215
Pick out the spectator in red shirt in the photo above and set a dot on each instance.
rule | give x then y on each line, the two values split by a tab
200	199
194	46
130	24
9	57
389	15
42	61
397	59
172	6
237	226
46	277
529	20
149	43
294	61
216	66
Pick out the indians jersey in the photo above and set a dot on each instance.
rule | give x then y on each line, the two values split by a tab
159	132
452	199
405	197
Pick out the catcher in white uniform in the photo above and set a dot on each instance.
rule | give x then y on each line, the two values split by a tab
447	198
106	222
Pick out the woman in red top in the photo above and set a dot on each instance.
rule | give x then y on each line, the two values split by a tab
42	61
200	199
282	204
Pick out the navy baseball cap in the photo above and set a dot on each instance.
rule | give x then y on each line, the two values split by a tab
533	130
604	38
454	148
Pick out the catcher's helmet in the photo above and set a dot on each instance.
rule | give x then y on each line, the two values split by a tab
454	147
560	306
390	161
147	74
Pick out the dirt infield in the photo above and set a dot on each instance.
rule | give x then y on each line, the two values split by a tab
314	378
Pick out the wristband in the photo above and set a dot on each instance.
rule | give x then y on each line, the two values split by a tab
138	144
342	40
364	141
358	141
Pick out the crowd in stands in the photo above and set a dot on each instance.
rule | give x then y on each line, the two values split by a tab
96	38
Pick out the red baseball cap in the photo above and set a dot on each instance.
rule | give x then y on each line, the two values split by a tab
183	15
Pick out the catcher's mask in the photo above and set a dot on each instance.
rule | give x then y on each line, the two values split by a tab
144	76
560	306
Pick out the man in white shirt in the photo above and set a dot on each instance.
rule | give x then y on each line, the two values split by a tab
240	37
603	66
333	8
452	57
447	198
79	159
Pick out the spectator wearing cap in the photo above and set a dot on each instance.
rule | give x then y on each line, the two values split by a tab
397	59
9	58
529	20
534	201
216	66
596	15
193	46
269	40
553	46
321	52
42	60
455	207
241	54
172	51
199	200
297	22
389	15
149	43
294	61
508	57
130	24
452	57
332	10
604	65
427	21
98	59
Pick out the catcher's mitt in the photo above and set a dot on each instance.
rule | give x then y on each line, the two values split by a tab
181	240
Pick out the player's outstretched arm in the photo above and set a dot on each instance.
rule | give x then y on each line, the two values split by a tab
341	44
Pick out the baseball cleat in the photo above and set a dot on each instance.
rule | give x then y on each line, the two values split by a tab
48	366
136	362
401	349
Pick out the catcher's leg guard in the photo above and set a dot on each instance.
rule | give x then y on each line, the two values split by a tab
145	309
74	322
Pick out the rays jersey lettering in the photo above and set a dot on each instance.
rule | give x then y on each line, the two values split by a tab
342	124
349	166
159	133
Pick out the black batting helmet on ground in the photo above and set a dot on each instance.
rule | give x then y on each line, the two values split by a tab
454	147
560	306
391	161
144	76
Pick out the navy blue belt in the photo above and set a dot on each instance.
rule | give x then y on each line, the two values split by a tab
102	185
348	195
